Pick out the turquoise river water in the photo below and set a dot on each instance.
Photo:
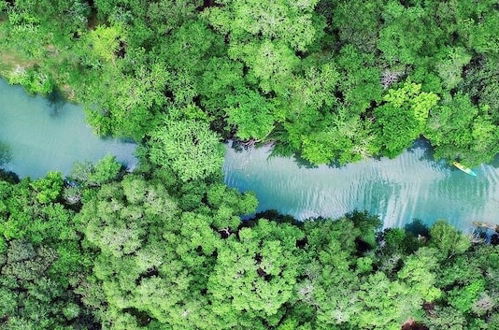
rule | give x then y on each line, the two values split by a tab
411	186
38	135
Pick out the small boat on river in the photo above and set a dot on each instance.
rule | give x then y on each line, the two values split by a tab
463	168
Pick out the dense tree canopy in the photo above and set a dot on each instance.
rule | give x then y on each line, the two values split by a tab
165	247
302	74
142	251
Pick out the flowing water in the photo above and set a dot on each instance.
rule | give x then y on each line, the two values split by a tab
38	135
411	186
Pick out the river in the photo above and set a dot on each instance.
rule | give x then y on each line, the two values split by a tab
43	135
411	186
38	135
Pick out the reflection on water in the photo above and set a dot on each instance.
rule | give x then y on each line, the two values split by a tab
5	153
411	186
46	134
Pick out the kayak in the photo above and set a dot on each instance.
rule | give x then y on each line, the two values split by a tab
463	168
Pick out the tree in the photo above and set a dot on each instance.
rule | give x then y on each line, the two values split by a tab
403	118
448	240
285	20
188	147
49	188
460	130
256	274
251	113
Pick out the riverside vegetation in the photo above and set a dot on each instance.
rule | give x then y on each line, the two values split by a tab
164	247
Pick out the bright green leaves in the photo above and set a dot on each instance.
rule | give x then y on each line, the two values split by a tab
480	83
188	147
402	118
223	78
451	66
463	299
49	188
479	26
407	33
315	89
256	274
40	256
87	174
36	82
331	281
418	273
154	257
289	21
229	204
410	95
398	128
378	290
265	36
458	129
147	22
448	240
271	63
187	48
362	32
106	170
317	148
341	140
360	79
119	218
104	41
251	113
154	260
3	5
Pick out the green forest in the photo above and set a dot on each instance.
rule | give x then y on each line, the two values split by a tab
146	250
165	246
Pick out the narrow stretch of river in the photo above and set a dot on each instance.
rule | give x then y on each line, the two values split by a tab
411	186
38	135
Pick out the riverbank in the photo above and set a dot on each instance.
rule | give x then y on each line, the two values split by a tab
42	135
411	186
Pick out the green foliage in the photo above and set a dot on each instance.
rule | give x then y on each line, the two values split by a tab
188	147
256	274
41	259
451	66
464	298
301	74
145	252
289	21
49	188
104	41
458	129
448	240
105	170
252	114
402	118
165	247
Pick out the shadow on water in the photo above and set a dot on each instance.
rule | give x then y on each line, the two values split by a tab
495	162
56	102
417	227
5	153
424	144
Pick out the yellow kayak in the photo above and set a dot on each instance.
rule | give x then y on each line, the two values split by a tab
463	168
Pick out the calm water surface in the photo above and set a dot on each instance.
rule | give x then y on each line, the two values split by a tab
411	186
43	135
